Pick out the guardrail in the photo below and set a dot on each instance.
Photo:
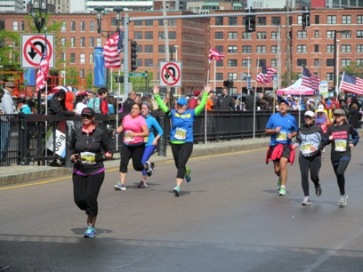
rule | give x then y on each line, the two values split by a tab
43	139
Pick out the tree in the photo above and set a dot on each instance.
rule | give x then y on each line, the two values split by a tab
354	69
285	78
9	51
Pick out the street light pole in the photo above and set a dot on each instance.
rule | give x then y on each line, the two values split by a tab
336	59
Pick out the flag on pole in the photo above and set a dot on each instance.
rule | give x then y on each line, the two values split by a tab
266	76
43	70
112	50
352	84
215	55
309	80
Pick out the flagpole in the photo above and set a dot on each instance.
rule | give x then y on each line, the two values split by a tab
254	102
205	108
340	85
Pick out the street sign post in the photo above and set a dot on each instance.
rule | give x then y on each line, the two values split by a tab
32	48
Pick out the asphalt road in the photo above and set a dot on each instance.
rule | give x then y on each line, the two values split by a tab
229	218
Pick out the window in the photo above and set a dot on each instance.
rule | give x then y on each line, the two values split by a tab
359	48
261	20
73	26
82	58
139	62
232	76
219	48
246	36
316	19
82	42
81	73
232	63
346	62
301	48
99	41
359	34
149	62
316	63
218	35
246	48
316	48
273	62
91	58
331	19
360	19
219	63
346	35
232	48
330	34
219	20
246	62
232	20
276	20
219	76
330	48
15	26
92	26
161	48
149	35
82	26
161	35
330	76
139	23
346	19
301	34
316	34
72	58
91	42
346	48
261	63
301	62
63	41
261	35
148	22
359	62
64	27
232	36
138	35
261	49
172	35
274	48
274	35
330	62
73	42
149	49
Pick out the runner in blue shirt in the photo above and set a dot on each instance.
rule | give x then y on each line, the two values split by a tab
282	127
181	135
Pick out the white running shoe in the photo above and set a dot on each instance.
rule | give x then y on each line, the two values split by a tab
306	201
119	187
343	201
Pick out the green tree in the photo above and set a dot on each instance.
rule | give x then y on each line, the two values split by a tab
9	51
285	79
354	69
72	76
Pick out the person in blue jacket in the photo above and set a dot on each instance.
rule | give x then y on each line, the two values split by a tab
181	135
151	141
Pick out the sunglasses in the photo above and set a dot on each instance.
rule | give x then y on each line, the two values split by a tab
86	117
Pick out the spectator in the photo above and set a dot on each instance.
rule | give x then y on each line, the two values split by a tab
81	102
354	115
210	101
127	105
102	95
57	104
23	107
194	100
111	104
224	101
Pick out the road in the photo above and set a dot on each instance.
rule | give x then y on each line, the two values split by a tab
229	218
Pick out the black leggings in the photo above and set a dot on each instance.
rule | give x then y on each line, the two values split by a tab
313	164
131	151
339	169
181	154
85	192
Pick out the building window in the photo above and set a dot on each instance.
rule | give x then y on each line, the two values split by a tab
261	20
81	73
301	48
360	19
346	62
149	22
139	62
346	48
273	62
149	62
138	35
359	48
172	35
330	62
91	58
261	49
161	48
15	26
219	63
219	76
316	48
72	58
232	20
360	62
91	42
232	48
346	19
261	35
82	42
73	42
82	58
274	48
73	26
219	48
149	48
247	49
316	34
232	63
316	19
232	36
149	35
64	27
246	36
301	34
330	34
63	41
99	41
83	26
316	63
139	23
219	20
359	34
161	35
261	63
274	35
331	19
218	35
330	48
232	76
92	26
347	34
330	76
276	20
246	62
301	62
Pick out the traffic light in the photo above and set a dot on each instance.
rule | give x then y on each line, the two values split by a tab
250	22
133	56
305	18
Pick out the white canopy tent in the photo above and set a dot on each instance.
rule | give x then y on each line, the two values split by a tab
296	89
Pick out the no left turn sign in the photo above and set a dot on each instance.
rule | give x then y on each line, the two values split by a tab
32	48
170	74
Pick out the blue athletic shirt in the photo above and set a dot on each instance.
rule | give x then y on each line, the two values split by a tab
287	124
153	126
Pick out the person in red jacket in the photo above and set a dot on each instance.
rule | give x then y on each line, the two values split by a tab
102	94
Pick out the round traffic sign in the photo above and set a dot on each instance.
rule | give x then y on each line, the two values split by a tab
170	74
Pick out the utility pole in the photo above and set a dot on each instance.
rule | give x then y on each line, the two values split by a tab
166	42
288	46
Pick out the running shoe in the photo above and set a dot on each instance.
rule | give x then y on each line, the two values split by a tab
306	201
142	184
343	201
188	177
279	184
176	190
318	190
90	232
282	191
119	187
149	168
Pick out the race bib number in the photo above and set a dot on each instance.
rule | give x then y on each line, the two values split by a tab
146	139
127	137
281	137
340	145
307	148
88	157
180	134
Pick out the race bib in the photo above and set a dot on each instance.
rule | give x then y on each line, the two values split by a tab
180	134
146	139
340	145
281	137
127	137
88	157
307	148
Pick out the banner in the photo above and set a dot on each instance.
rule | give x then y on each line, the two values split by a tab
29	77
60	142
99	71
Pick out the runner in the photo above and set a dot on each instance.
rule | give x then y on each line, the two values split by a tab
151	141
310	140
282	127
343	138
181	135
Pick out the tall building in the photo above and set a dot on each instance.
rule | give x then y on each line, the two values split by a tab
127	5
11	6
61	6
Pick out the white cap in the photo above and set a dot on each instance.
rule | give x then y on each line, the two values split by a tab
289	95
309	113
321	108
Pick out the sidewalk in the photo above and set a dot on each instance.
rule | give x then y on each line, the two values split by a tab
24	173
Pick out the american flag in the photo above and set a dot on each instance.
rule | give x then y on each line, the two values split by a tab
215	55
112	50
267	75
352	84
309	80
43	71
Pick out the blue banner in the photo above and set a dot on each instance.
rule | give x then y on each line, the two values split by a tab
99	71
29	77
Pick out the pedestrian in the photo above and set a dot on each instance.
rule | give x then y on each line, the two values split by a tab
81	102
310	140
354	115
181	135
127	105
194	100
135	130
343	138
86	148
224	101
282	127
151	140
210	101
57	105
